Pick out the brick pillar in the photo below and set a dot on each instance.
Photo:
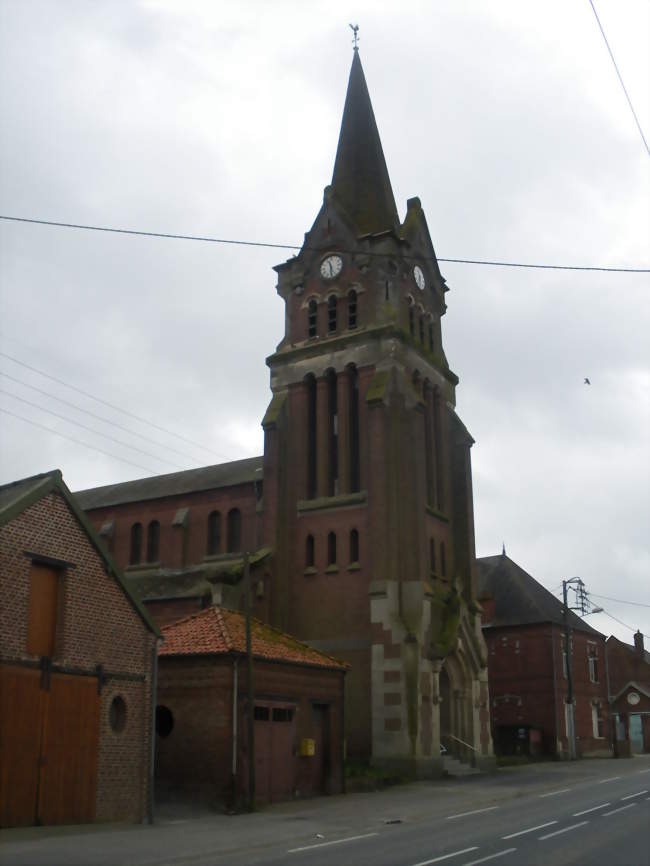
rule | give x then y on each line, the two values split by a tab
343	388
322	438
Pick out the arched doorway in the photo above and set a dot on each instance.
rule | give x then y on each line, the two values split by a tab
456	715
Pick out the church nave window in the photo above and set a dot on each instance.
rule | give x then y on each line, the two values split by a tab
312	317
214	533
432	555
234	530
136	544
431	336
354	546
331	313
331	548
421	328
352	309
153	541
443	561
309	552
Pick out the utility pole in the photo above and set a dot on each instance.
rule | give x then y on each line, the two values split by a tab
570	721
582	602
250	687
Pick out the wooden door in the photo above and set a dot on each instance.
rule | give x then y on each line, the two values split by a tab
20	736
68	777
49	733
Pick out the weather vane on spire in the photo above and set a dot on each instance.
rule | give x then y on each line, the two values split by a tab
355	39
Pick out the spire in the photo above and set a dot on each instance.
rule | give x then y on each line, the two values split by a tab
360	181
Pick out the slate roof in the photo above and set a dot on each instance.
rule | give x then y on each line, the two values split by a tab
17	496
219	631
360	180
519	598
173	484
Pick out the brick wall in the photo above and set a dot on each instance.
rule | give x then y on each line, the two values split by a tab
196	757
528	687
97	625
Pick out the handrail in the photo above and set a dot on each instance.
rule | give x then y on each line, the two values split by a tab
462	742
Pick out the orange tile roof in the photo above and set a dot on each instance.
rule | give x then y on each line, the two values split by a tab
218	631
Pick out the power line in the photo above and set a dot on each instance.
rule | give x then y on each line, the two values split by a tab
237	242
620	600
89	429
78	441
112	406
620	622
629	101
97	417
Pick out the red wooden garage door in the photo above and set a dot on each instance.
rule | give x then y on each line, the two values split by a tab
48	747
274	748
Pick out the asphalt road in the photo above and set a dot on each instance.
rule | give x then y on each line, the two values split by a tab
591	812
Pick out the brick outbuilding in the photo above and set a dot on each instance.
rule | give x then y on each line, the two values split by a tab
77	651
629	694
203	706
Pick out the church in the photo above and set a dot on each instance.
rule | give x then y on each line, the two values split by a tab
358	518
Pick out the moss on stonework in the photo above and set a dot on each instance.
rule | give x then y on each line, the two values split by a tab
274	409
378	387
449	605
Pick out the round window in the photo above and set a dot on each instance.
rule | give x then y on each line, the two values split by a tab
164	721
117	714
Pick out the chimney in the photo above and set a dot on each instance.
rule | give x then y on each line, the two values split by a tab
638	642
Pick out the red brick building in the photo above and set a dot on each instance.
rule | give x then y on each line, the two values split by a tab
203	705
361	508
76	656
523	625
629	691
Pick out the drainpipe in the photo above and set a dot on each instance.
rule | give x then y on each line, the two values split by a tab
235	688
152	764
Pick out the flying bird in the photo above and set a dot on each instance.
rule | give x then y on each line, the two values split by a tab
587	382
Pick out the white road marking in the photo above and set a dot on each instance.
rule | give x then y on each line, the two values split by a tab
612	779
620	809
593	809
530	829
644	771
638	794
564	830
473	812
553	793
333	842
490	857
446	856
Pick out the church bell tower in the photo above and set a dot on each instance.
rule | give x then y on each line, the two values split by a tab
367	479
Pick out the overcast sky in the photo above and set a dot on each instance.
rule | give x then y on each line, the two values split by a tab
221	119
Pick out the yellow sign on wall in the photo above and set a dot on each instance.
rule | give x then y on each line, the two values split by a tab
307	748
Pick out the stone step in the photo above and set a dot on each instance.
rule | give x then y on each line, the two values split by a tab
453	767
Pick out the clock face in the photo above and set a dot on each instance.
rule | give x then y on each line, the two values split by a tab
331	267
418	277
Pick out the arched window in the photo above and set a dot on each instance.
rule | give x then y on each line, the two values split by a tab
332	433
432	554
443	563
310	382
331	548
331	313
431	336
354	545
234	530
353	414
421	327
214	533
312	316
309	552
352	309
411	319
153	541
136	544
